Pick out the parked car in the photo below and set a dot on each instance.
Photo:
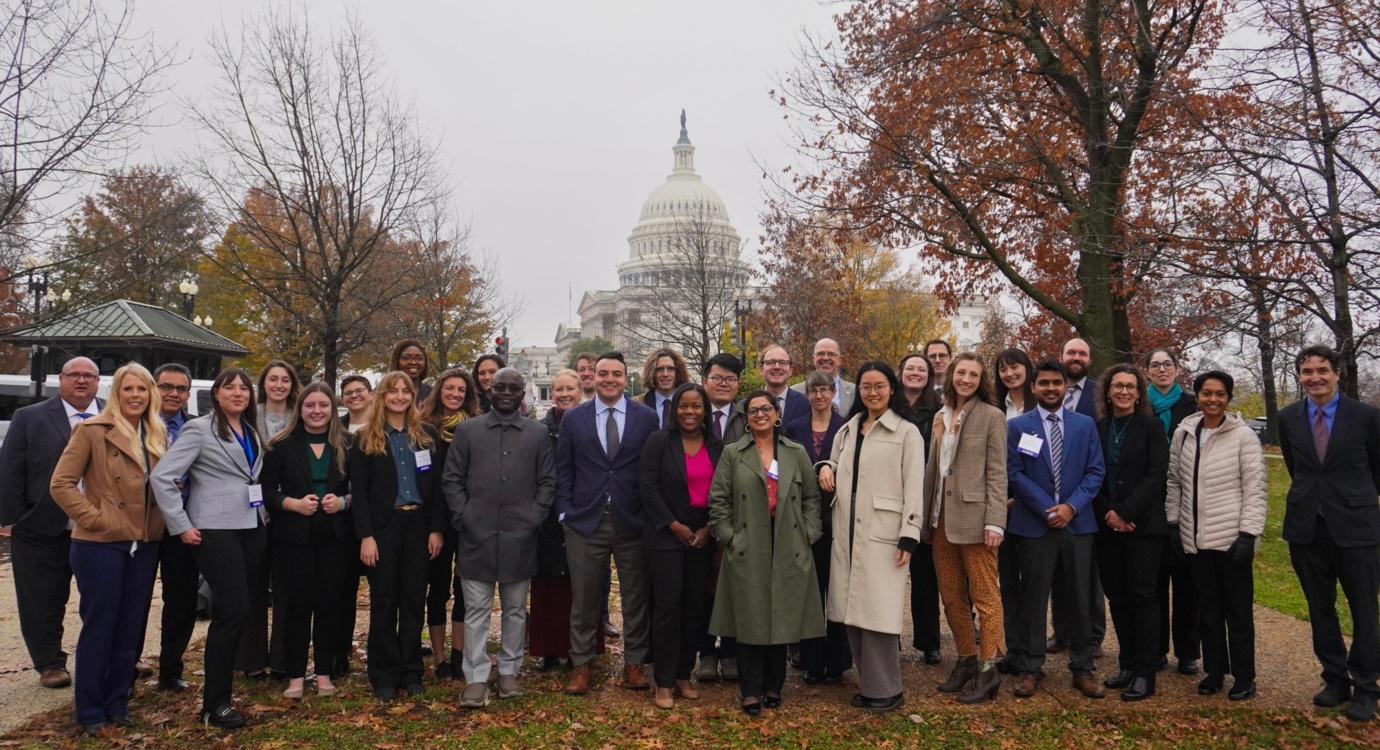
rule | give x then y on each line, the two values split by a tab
15	393
1258	426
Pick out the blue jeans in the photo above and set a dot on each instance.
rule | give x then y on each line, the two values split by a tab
116	587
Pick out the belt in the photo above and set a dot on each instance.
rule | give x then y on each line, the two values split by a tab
409	506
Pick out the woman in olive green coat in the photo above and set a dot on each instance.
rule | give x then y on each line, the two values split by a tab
764	509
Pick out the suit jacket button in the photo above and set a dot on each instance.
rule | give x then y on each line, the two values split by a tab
121	505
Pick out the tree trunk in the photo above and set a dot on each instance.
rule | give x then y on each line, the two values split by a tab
1266	343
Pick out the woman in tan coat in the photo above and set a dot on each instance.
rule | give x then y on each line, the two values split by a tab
965	519
101	482
877	471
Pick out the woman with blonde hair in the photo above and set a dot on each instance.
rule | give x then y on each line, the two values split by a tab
101	482
400	514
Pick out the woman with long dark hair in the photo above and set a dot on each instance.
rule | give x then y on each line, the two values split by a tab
222	521
922	403
1015	392
484	370
277	395
307	491
409	357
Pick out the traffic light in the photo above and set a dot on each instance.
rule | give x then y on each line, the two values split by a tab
501	347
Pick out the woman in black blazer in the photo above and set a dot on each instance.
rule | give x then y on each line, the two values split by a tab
677	469
922	402
399	514
307	492
1130	524
824	659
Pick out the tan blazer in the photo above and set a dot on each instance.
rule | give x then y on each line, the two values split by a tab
975	486
115	505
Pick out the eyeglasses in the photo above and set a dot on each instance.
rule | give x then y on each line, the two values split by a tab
723	379
668	368
763	409
826	354
1124	387
81	376
412	358
883	388
181	390
822	391
1165	365
505	388
776	363
352	393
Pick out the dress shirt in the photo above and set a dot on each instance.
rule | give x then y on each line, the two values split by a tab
1012	411
1063	427
601	419
780	401
838	393
1077	389
726	410
1329	411
406	464
660	401
92	410
174	425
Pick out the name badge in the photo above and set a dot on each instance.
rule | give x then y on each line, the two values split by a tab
256	496
771	470
423	460
1030	445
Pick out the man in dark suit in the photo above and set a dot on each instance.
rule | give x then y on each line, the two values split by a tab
664	372
41	537
1331	447
1081	397
774	363
176	567
598	455
1055	469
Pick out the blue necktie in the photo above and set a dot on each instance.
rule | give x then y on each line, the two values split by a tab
83	416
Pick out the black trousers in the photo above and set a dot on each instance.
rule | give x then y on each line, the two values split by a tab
397	596
229	559
761	669
1058	555
1130	568
42	587
1065	607
924	598
1178	596
349	599
179	573
1226	597
262	643
312	578
1320	566
440	579
1009	573
828	655
680	594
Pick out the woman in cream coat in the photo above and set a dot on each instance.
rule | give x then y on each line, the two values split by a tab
878	473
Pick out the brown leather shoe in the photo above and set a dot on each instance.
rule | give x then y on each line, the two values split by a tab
55	677
634	679
580	677
1026	685
1085	684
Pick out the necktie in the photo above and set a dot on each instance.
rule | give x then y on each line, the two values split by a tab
611	434
718	424
1320	434
665	411
83	416
1056	450
1071	398
780	407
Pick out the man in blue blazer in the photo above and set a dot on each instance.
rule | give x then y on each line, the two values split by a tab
774	363
1331	447
1054	467
598	455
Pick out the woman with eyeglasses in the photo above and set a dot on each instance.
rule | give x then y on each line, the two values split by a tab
877	472
825	659
922	403
409	357
764	509
1131	526
1176	590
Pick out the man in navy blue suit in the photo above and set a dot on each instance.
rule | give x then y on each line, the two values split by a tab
598	455
774	362
1054	467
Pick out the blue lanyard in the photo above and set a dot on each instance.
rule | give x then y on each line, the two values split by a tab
246	443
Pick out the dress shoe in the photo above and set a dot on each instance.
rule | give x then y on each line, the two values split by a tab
884	705
1210	685
548	663
508	686
633	677
813	678
386	694
258	675
174	686
476	695
1121	680
1026	685
415	689
1054	646
1188	666
1097	651
831	678
932	657
771	701
294	694
580	677
729	669
1007	664
1245	691
984	688
122	721
965	669
708	670
1140	689
686	689
143	669
1087	685
93	730
610	631
858	700
325	691
754	708
665	699
55	677
796	663
1332	695
1362	707
224	717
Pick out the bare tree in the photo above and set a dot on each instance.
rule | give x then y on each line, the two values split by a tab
688	288
337	171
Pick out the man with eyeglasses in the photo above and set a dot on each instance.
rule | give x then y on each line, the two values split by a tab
727	421
41	533
940	355
774	363
829	361
663	373
356	393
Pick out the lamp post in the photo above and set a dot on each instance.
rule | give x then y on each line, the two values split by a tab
188	288
741	311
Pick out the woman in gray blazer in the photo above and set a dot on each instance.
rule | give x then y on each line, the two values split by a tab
223	522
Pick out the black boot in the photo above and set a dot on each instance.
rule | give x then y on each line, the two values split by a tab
985	688
965	670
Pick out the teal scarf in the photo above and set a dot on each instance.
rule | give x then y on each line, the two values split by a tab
1163	403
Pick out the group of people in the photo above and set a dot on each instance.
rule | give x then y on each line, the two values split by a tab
748	534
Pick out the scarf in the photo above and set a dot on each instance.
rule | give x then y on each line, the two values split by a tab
1162	403
448	426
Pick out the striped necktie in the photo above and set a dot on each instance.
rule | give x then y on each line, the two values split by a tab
1056	451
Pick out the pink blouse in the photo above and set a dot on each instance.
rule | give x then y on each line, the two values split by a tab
699	474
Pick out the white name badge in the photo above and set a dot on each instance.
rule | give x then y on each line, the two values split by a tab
771	470
1030	445
423	460
256	496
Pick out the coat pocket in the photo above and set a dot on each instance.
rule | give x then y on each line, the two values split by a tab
886	519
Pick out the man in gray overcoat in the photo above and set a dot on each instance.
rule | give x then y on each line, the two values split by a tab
500	481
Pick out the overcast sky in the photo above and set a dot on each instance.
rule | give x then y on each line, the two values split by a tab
558	116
